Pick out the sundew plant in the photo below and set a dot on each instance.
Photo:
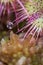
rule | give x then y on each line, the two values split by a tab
29	10
32	11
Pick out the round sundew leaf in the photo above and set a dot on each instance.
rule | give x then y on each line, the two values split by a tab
39	23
